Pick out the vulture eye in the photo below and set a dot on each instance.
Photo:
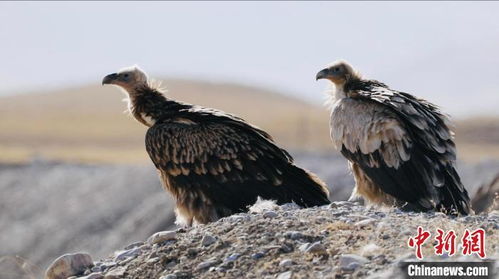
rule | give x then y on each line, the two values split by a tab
337	69
125	75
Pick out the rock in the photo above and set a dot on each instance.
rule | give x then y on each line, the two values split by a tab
220	269
269	214
286	262
169	276
116	273
182	274
316	248
206	264
337	204
294	235
392	273
304	247
163	236
132	253
95	275
107	265
208	240
290	206
68	265
347	259
379	259
232	257
365	223
133	245
370	250
351	267
257	255
285	275
96	268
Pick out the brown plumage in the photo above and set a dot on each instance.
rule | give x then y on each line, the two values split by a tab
213	163
400	148
486	198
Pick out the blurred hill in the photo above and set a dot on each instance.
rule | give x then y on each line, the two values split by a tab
87	124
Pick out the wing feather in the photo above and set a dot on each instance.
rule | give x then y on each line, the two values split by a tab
232	164
416	156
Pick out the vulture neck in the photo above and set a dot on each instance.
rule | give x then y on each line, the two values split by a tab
149	106
345	89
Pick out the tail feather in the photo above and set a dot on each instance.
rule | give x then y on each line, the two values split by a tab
306	188
454	197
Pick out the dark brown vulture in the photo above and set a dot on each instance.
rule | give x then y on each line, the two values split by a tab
213	163
400	147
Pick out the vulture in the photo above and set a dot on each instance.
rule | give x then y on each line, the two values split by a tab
400	148
213	163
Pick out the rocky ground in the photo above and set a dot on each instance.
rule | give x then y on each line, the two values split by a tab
51	208
341	240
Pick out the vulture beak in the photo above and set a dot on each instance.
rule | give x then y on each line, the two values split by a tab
322	74
109	78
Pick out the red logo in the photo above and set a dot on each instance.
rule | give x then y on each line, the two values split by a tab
474	242
471	242
418	241
445	242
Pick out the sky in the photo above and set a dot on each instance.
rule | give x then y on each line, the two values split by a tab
446	52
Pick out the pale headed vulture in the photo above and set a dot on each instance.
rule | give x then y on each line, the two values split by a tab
213	163
400	148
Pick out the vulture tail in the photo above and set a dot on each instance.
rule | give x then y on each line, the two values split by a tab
454	196
305	188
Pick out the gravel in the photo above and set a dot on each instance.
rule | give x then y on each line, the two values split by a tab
301	243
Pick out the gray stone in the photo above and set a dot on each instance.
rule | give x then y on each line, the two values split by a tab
365	223
220	269
294	235
379	259
290	206
206	264
269	214
116	273
69	265
208	240
133	245
351	267
163	236
316	248
95	275
347	259
96	268
286	262
132	253
304	247
232	257
257	255
169	276
107	265
370	250
285	275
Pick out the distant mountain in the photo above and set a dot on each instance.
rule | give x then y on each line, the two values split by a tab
88	124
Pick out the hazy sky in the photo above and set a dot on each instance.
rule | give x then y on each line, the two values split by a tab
446	52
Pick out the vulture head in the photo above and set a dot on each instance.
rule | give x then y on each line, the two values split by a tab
338	72
127	78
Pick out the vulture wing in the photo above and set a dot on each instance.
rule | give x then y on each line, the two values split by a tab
229	160
415	161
